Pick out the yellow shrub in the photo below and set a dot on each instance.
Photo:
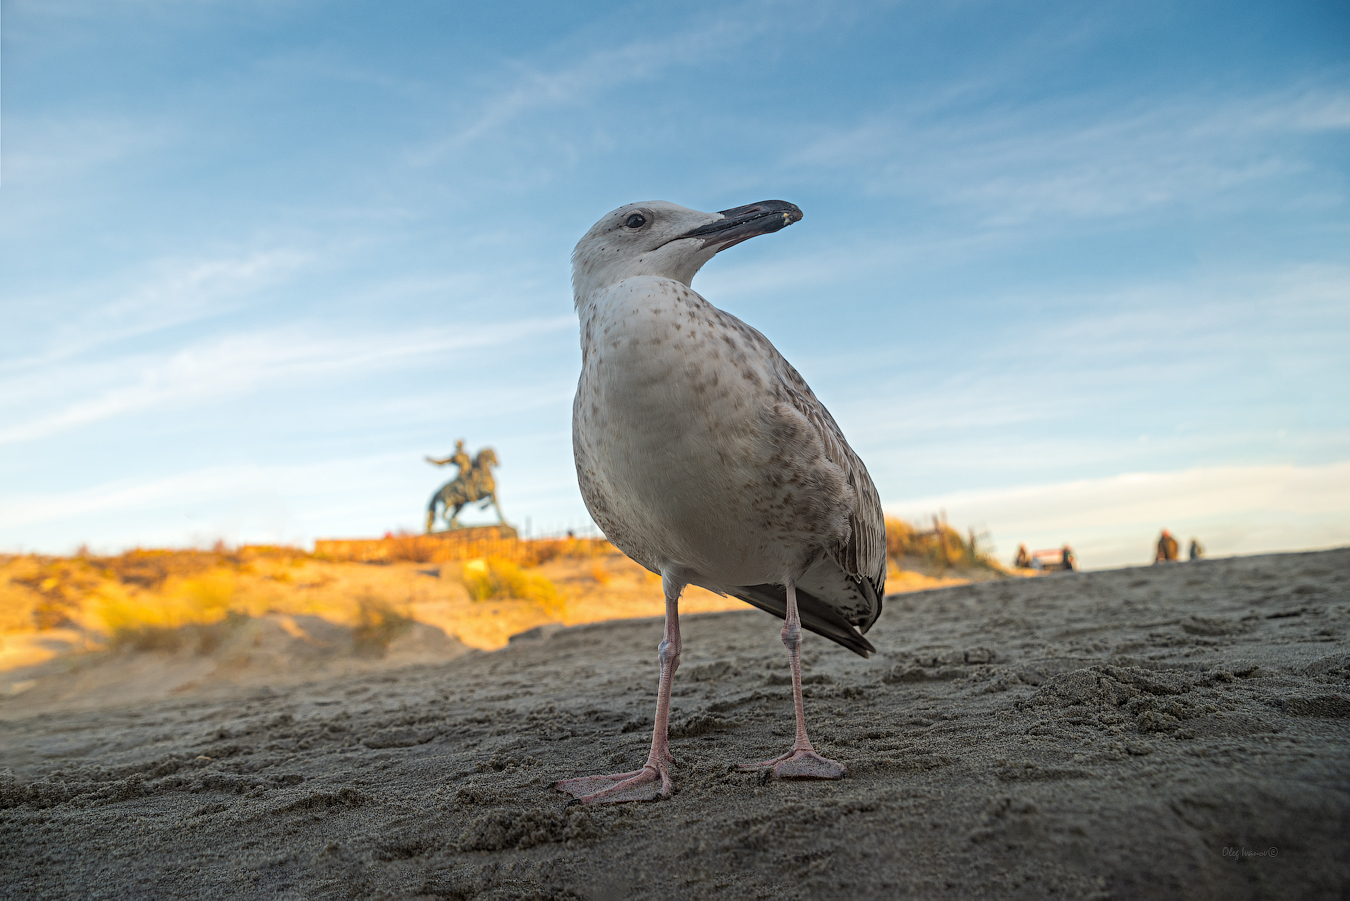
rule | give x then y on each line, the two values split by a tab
494	577
146	620
210	593
118	611
940	546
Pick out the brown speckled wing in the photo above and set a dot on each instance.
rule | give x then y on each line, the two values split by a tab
863	555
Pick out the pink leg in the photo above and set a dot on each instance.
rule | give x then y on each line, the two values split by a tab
802	761
653	780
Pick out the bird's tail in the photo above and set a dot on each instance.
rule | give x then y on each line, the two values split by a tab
817	616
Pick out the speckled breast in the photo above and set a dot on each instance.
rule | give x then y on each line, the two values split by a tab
672	437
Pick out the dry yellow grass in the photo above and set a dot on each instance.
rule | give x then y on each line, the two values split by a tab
935	549
494	578
169	600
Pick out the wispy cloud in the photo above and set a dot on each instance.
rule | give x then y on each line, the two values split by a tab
169	293
248	362
852	259
1205	321
125	495
1207	317
1063	158
202	502
584	80
1098	389
267	502
53	150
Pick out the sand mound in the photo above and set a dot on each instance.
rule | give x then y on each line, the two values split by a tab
1162	732
219	661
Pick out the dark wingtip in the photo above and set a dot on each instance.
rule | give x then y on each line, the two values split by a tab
817	616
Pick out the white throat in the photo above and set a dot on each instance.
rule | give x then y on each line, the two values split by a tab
612	251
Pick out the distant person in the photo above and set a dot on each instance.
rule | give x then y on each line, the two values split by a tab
1168	548
1023	559
1197	550
1068	560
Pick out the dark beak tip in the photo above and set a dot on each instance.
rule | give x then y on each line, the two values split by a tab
743	222
789	211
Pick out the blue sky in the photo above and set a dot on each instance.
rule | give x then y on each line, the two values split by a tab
1070	272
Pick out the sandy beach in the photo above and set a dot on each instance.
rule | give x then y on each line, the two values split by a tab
1154	732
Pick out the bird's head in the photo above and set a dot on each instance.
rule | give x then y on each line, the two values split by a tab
667	240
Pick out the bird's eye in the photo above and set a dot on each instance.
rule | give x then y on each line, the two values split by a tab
637	220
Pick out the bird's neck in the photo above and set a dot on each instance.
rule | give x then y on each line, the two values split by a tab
595	272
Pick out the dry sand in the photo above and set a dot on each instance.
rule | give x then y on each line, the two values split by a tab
1158	732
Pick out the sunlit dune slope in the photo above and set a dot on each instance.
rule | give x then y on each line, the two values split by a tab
150	623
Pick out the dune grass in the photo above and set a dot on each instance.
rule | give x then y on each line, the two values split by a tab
192	599
146	599
378	622
498	578
938	547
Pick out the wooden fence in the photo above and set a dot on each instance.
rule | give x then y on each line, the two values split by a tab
458	544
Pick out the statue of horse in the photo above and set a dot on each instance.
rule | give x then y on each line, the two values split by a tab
476	484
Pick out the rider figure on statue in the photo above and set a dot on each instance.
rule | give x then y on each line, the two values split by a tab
460	458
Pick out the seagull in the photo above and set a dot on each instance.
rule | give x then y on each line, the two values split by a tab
703	455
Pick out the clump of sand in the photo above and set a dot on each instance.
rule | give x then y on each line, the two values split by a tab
1157	732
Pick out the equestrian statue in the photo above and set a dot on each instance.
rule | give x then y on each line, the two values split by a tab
472	483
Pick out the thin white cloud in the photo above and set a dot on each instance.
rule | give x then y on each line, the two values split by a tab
277	502
1095	392
855	259
582	81
169	294
130	494
1203	319
52	150
242	363
207	485
1117	339
1063	159
288	503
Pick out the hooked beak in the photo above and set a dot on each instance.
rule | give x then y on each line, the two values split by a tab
745	222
